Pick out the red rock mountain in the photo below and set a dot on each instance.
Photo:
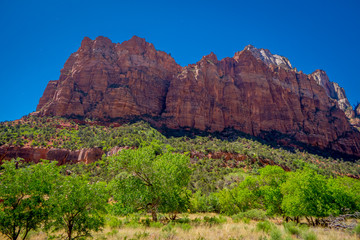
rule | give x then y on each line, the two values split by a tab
255	92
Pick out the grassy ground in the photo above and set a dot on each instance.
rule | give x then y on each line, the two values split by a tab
211	227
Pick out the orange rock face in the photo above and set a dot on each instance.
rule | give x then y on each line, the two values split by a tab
104	80
254	92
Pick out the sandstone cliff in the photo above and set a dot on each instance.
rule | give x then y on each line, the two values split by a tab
103	80
334	91
63	156
255	92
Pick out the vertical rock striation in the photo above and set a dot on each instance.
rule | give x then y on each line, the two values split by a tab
104	80
255	92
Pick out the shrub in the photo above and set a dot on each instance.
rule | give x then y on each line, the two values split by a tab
264	226
246	220
185	226
200	202
146	222
254	214
156	224
183	220
275	234
291	228
114	222
357	229
309	236
214	220
196	221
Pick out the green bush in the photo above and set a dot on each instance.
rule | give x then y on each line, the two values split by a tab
275	234
146	222
246	220
183	220
264	226
214	220
357	229
203	203
114	222
309	236
156	224
292	228
254	214
169	227
196	221
185	226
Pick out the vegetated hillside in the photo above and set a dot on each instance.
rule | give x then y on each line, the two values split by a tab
31	133
152	181
154	187
254	91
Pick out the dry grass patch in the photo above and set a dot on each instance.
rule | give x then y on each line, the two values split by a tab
194	227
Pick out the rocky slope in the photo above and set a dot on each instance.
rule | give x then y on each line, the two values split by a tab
255	92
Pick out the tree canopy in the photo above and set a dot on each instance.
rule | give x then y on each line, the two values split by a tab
153	179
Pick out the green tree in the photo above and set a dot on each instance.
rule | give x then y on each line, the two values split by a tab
271	178
241	198
78	206
154	180
305	195
346	194
24	195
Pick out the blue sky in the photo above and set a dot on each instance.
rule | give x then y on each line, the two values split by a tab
37	37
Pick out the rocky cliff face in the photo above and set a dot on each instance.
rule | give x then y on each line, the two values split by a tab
104	80
255	92
63	156
334	91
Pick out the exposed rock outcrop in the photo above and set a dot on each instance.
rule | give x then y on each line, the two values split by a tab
357	110
104	80
334	91
255	92
63	156
268	58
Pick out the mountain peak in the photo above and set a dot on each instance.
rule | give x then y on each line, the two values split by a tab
268	58
133	80
85	40
137	40
212	57
103	39
137	43
333	90
249	47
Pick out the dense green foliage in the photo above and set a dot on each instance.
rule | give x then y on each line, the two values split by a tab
39	196
23	192
152	180
78	206
303	193
160	175
62	133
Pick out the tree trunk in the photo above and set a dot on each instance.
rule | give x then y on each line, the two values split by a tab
69	233
312	221
317	222
26	233
154	215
